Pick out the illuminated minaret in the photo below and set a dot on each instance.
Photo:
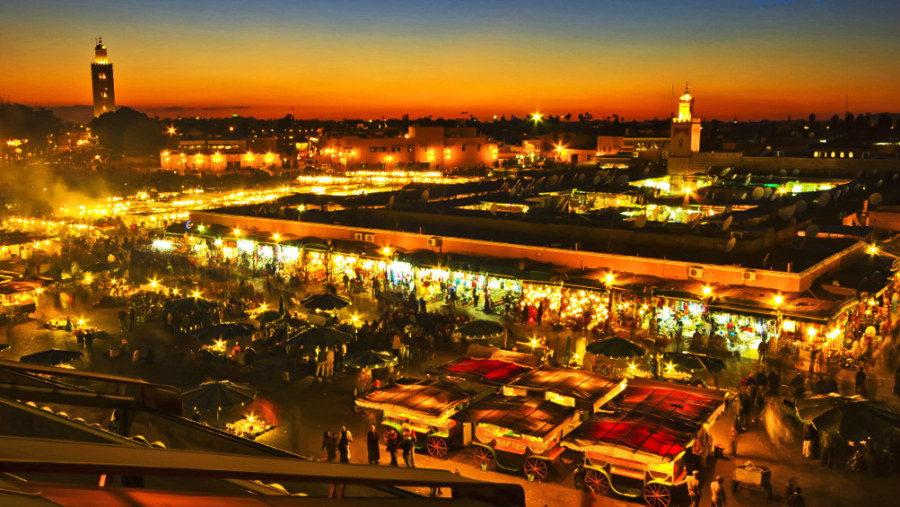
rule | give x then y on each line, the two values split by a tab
685	133
102	81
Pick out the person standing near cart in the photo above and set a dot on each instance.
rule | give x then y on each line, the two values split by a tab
409	446
372	446
391	446
717	489
344	444
694	488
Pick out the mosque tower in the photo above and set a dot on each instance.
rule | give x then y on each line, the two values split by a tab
102	81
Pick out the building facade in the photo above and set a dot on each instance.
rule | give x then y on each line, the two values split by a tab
102	81
425	148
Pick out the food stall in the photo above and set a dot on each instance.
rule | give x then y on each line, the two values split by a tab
639	449
519	433
423	405
579	389
249	427
483	370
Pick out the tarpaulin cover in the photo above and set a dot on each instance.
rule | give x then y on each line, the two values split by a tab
428	397
582	385
495	371
519	414
633	436
689	405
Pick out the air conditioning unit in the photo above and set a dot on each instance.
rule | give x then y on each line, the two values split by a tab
358	236
370	238
695	272
749	275
433	242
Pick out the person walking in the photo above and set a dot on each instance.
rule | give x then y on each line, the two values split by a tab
329	445
329	362
372	446
796	499
321	358
409	446
717	491
344	444
694	489
391	446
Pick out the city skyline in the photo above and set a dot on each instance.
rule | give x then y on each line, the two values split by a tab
749	59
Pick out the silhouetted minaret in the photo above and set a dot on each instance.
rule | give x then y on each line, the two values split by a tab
102	81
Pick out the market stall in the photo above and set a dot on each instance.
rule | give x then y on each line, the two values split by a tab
483	370
517	433
426	406
571	388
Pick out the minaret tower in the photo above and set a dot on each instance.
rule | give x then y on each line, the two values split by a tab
102	81
684	134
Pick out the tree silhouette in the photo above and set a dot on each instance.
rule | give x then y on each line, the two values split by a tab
126	132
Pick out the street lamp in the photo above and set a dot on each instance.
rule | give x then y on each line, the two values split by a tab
609	289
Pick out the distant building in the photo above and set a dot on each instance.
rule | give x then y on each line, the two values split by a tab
685	134
424	148
219	155
102	81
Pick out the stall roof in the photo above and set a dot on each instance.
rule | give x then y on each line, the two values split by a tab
632	435
488	371
582	385
520	414
688	405
429	397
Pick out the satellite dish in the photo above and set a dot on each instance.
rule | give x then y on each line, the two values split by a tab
645	171
758	193
795	172
774	197
782	172
622	179
729	245
715	178
425	195
727	223
744	196
767	192
747	180
811	231
640	221
787	212
726	171
875	199
800	207
505	186
823	200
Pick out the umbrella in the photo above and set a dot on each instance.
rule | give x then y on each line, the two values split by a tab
224	331
325	302
370	359
269	316
326	336
479	328
816	405
217	395
860	420
615	347
690	362
51	357
189	304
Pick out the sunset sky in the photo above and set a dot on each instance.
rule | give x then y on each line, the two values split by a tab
367	58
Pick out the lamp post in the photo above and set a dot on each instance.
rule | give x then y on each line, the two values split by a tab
610	278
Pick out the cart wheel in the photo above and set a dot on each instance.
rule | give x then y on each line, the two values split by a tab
437	446
537	468
657	495
484	457
597	482
386	436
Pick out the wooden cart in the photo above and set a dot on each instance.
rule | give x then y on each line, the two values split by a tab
517	433
639	450
423	405
754	477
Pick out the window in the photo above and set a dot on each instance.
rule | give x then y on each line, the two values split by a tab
102	75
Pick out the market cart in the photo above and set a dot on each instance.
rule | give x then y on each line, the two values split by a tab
754	477
423	405
582	390
639	450
517	433
484	370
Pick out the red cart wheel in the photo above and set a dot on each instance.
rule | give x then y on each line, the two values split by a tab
484	457
386	436
657	495
597	482
536	468
437	446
